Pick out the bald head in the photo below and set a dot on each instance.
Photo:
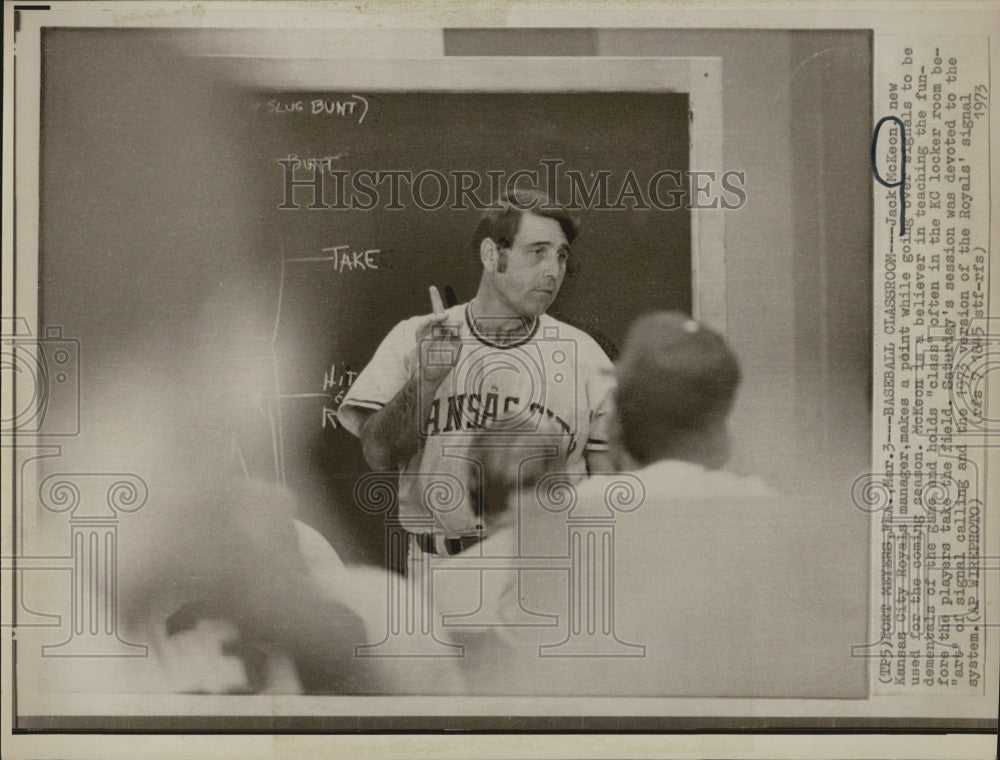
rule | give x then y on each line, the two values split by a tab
676	383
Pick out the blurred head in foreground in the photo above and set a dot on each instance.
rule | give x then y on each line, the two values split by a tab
221	563
676	384
236	596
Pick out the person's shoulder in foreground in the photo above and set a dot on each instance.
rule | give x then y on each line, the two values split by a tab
721	580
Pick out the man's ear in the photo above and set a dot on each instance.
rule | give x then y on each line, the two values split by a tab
489	254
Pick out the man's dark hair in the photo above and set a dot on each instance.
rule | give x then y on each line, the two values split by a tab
500	224
675	378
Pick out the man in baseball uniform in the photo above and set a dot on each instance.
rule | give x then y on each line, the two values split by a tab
495	372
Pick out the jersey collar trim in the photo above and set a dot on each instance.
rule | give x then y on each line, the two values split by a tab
483	339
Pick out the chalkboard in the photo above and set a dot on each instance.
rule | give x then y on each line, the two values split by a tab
345	276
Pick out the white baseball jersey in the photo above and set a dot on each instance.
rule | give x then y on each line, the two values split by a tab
545	396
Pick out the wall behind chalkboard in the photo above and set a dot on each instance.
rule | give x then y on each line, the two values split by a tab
346	276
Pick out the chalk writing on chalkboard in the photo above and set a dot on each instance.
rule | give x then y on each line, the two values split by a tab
329	417
342	379
336	383
356	106
343	258
353	107
312	162
329	413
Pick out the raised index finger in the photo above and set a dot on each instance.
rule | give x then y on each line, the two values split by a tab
436	304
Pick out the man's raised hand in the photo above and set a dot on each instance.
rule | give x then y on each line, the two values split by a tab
438	344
